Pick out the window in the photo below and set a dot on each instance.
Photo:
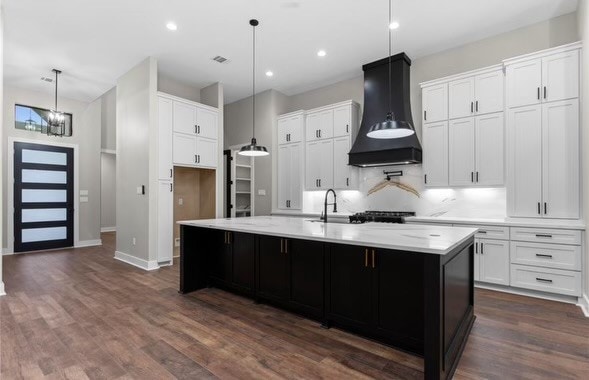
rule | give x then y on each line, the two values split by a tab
35	119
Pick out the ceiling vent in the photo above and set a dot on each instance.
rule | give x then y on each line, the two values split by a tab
220	59
45	79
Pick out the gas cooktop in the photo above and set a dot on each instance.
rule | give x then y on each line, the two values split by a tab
380	216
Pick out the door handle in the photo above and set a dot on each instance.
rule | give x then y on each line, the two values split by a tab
477	177
320	133
196	129
544	92
471	176
171	173
347	128
545	208
538	93
196	159
543	255
476	248
366	258
285	245
281	245
425	178
225	241
477	106
482	249
539	208
171	188
373	261
347	182
471	107
548	236
543	280
229	237
319	182
425	115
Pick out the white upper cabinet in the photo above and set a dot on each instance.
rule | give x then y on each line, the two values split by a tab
489	149
290	189
489	92
206	152
290	128
319	125
206	123
461	145
560	76
342	121
165	119
184	149
435	153
524	185
435	103
184	118
549	76
344	175
461	98
560	159
319	165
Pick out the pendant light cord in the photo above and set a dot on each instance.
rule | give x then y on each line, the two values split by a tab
254	85
390	52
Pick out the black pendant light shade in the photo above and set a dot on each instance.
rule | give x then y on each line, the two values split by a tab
253	149
390	128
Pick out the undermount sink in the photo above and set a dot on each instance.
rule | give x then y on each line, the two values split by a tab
329	221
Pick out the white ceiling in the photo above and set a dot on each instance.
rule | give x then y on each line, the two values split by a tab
96	41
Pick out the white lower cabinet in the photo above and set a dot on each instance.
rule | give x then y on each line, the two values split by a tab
290	184
165	221
546	280
492	261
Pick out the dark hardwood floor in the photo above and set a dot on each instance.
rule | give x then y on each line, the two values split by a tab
80	314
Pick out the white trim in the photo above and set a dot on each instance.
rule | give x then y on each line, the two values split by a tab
136	262
2	292
108	229
88	243
10	187
108	151
186	101
465	74
7	252
528	293
291	114
584	304
543	53
330	106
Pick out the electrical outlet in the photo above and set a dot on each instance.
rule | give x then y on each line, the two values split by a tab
134	241
176	242
262	192
180	201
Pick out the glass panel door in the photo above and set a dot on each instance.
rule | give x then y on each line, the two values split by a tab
43	197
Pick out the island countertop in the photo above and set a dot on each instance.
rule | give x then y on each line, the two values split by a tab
438	240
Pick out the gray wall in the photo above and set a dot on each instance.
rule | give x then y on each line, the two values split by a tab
86	133
109	119
108	206
583	23
177	88
135	91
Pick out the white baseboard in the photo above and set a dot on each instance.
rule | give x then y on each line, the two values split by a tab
2	292
6	252
88	243
108	229
136	262
528	293
584	304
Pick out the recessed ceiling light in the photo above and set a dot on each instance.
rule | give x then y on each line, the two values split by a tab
269	73
172	26
321	53
394	25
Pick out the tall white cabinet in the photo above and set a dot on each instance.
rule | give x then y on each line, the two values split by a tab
543	134
290	156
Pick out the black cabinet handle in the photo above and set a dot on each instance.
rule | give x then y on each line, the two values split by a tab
319	182
544	236
347	182
543	255
425	115
545	208
477	106
538	93
482	232
425	178
195	159
477	176
195	129
171	188
471	107
373	259
482	250
320	133
471	176
476	248
281	245
366	257
171	173
539	208
544	92
543	280
347	128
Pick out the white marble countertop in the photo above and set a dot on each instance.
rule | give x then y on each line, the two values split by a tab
508	222
406	237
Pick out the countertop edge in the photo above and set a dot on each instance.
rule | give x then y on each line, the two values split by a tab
557	224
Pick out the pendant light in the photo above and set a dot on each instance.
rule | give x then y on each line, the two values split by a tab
30	123
253	149
56	122
390	128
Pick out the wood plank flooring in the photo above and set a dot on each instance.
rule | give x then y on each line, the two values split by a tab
80	314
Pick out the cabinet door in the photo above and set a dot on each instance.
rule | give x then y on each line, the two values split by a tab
399	315
326	124
489	92
489	148
165	221
461	98
350	285
164	132
313	125
325	164
207	123
283	130
342	172
184	149
461	148
494	261
435	154
284	175
560	159
524	80
306	275
313	159
560	76
295	129
243	262
295	172
273	268
524	168
477	261
184	118
206	151
220	257
435	103
342	121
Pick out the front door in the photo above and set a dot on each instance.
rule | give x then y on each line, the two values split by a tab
43	197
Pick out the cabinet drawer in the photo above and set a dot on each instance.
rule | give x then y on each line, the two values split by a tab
546	235
546	255
546	280
489	232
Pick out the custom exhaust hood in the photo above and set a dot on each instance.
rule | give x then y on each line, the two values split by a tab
367	151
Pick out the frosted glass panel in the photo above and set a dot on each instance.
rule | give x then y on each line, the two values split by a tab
44	215
43	176
34	195
43	234
43	157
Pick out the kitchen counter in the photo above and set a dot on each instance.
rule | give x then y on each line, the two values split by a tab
406	237
509	222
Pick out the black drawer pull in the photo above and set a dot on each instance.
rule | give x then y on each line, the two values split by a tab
543	255
482	232
543	280
544	236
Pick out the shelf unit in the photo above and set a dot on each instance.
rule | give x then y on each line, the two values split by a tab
242	187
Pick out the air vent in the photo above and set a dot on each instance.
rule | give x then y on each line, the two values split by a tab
45	79
220	59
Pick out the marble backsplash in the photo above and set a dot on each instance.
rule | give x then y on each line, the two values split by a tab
457	202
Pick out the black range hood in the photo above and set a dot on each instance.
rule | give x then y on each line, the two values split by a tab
367	151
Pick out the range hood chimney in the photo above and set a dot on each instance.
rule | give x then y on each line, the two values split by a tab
381	152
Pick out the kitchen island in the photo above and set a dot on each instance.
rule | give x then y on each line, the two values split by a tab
408	286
